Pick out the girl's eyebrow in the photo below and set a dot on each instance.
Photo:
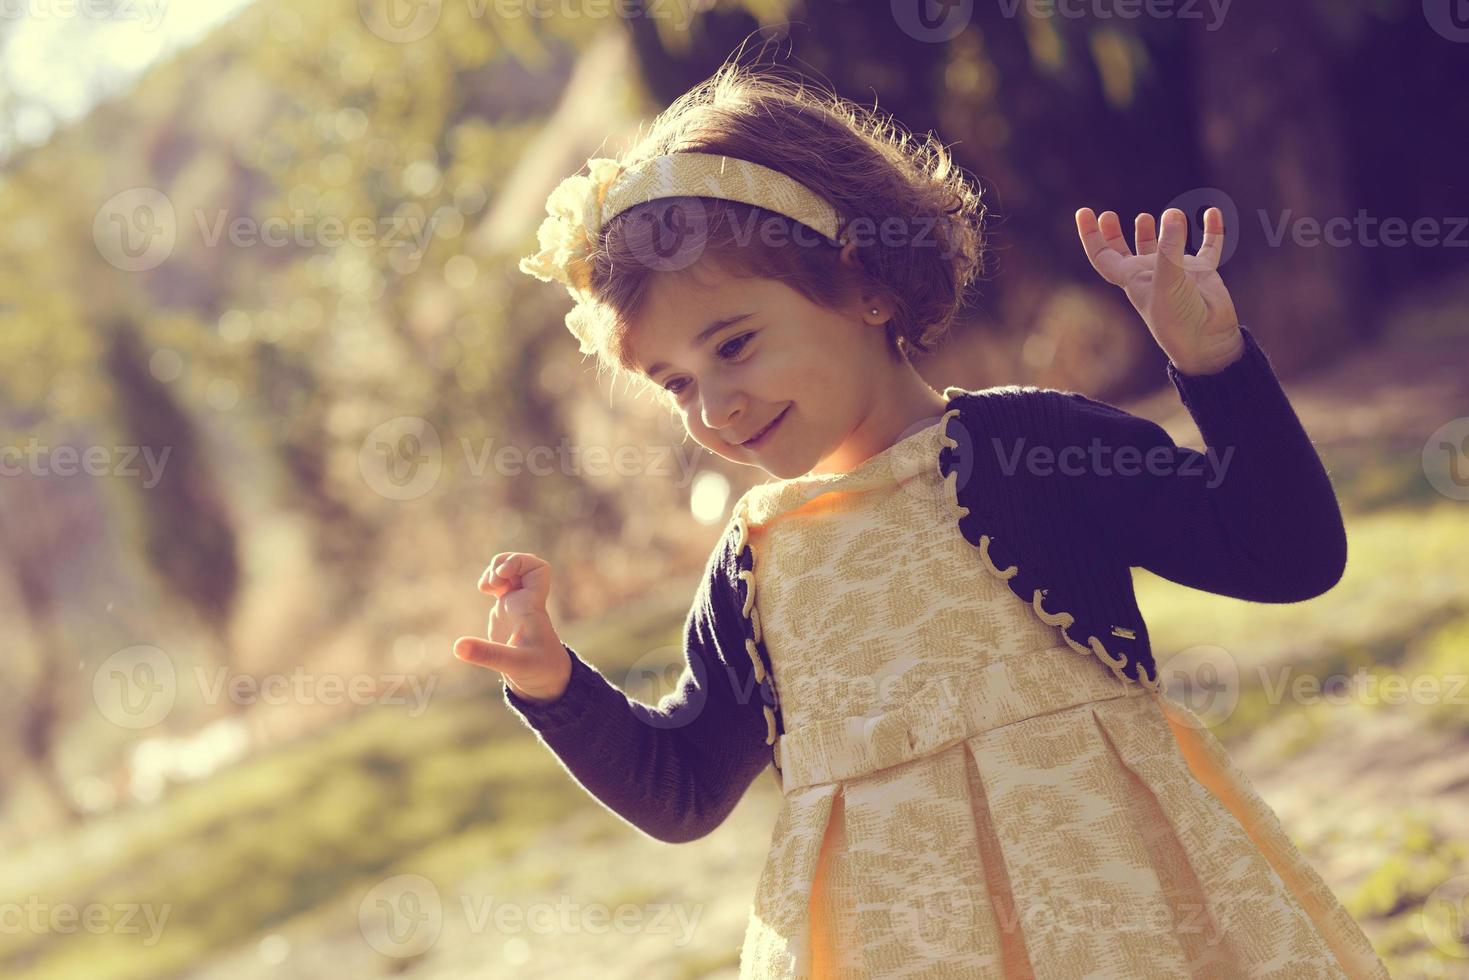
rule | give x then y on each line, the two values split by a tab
703	336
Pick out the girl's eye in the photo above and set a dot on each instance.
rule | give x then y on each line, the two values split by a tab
736	340
724	352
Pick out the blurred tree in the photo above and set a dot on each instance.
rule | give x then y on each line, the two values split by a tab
188	535
1271	130
29	546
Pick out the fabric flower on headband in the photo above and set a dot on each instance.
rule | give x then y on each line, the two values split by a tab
567	237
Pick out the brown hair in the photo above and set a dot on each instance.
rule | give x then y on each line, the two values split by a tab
877	175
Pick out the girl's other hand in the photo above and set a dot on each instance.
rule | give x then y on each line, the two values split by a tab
1179	296
523	645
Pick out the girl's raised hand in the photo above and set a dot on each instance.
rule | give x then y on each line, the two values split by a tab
1179	296
522	645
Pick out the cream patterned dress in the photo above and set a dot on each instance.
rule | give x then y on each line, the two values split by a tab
964	795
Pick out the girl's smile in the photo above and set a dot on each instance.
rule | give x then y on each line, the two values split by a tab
764	436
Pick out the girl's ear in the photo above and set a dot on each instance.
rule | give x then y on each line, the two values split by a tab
866	302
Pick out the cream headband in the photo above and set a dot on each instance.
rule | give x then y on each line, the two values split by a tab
581	204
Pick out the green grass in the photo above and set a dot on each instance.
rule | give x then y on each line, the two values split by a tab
262	843
1418	859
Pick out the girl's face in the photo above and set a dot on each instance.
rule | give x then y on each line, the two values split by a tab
733	355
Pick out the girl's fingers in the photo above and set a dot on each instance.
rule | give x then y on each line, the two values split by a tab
518	571
484	653
1111	227
489	572
503	569
1172	244
1145	234
1104	257
1213	244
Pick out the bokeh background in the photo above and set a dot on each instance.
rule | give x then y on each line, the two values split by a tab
273	393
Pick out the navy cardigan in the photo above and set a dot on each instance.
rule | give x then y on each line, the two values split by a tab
1071	491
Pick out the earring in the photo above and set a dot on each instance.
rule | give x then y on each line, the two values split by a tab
874	311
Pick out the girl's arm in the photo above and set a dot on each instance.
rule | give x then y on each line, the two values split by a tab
677	769
1254	517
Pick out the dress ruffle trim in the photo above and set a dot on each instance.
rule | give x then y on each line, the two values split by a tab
1061	618
754	642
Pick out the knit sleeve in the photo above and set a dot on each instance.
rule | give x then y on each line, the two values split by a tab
1254	516
674	770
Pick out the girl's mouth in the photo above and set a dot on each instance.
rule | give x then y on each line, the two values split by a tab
765	433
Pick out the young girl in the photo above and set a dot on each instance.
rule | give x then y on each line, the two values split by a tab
926	622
